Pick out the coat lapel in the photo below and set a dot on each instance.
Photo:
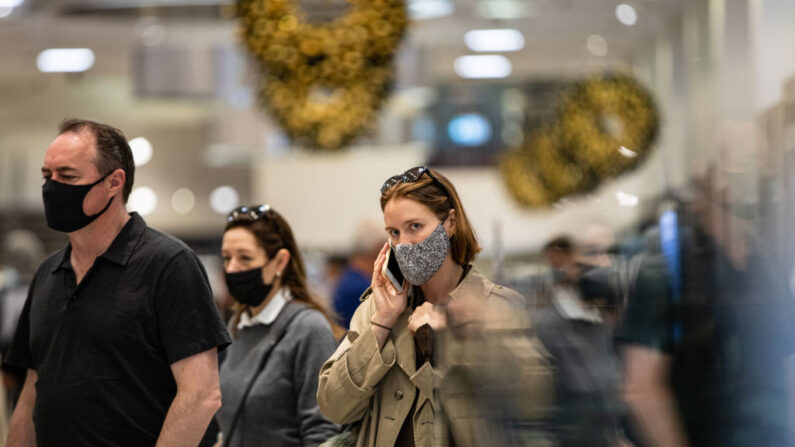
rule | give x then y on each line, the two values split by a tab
404	344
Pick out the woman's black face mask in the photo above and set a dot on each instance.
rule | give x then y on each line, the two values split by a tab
248	287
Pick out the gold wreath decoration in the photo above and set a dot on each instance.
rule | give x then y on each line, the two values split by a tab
323	83
606	126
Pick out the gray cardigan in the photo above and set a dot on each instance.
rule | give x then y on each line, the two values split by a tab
281	409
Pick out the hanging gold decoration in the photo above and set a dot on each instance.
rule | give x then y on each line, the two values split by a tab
323	83
606	126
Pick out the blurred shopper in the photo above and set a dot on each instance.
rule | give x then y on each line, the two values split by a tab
282	337
20	255
435	363
708	333
576	325
355	279
560	257
119	334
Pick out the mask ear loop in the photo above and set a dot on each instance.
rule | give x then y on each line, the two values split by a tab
94	216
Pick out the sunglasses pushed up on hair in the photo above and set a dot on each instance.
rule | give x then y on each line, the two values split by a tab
411	176
251	212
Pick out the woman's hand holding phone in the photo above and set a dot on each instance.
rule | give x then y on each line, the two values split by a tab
389	303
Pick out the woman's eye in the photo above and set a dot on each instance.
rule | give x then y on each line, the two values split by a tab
246	258
415	226
394	233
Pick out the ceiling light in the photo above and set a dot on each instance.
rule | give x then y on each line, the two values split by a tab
483	66
143	200
224	199
504	9
626	200
481	40
10	3
65	60
597	45
141	150
429	9
626	14
183	200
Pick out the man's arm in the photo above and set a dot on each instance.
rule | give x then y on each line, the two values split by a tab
21	432
648	393
198	398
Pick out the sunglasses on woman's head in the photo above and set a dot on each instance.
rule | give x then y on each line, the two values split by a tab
252	212
411	176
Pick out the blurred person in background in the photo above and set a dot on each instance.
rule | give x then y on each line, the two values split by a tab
575	321
21	254
435	363
119	333
559	256
708	336
281	337
355	279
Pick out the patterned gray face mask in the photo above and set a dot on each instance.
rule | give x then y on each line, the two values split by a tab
419	262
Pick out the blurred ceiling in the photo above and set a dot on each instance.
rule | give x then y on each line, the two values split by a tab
555	31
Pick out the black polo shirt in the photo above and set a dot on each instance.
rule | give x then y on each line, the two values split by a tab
103	349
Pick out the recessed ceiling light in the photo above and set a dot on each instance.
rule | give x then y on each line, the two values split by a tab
429	9
494	40
183	200
597	45
626	200
142	200
224	199
626	14
141	150
505	9
65	60
483	66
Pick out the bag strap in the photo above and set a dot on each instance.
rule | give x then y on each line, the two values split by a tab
291	310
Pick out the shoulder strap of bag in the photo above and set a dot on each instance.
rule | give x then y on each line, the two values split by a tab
280	325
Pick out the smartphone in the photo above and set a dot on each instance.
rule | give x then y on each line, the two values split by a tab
391	270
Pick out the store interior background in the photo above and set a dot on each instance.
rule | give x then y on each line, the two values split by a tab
175	73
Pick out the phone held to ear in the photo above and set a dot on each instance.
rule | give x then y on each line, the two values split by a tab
391	270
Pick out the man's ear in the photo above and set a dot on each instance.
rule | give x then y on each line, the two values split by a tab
117	179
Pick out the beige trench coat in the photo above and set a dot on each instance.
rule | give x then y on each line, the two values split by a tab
361	383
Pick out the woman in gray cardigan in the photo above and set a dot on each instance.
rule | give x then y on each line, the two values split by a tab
266	276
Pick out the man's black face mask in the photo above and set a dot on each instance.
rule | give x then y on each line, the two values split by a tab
63	205
598	285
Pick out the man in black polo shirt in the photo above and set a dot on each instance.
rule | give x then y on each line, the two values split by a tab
119	333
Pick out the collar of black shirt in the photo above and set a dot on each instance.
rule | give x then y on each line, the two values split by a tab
120	249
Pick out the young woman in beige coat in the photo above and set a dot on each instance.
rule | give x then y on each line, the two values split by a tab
449	358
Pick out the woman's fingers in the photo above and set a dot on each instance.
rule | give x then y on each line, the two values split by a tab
379	264
379	261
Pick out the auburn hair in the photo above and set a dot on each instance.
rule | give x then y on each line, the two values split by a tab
272	233
463	244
